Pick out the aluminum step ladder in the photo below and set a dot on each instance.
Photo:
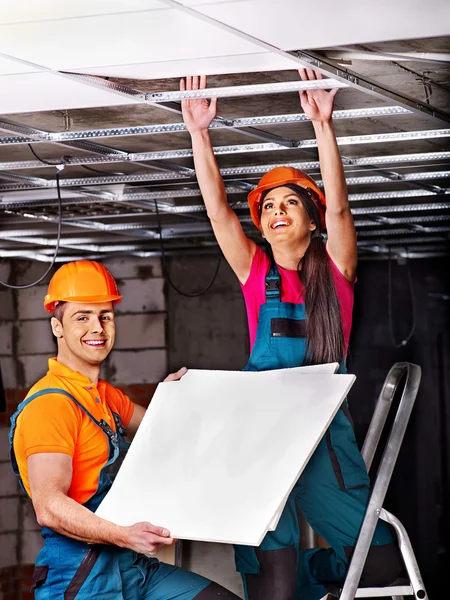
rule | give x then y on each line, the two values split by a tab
413	586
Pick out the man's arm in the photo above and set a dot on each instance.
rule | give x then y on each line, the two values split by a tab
49	476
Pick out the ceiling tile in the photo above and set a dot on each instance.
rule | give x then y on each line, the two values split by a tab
46	91
298	24
29	10
112	40
240	63
10	66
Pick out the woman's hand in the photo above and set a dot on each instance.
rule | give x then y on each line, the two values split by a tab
317	104
197	113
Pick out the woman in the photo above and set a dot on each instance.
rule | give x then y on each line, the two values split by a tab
299	300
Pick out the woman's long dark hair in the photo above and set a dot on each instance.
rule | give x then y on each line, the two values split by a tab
324	334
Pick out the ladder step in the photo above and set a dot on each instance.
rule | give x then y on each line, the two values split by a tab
377	592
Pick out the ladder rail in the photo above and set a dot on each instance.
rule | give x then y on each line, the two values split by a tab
381	412
408	555
389	458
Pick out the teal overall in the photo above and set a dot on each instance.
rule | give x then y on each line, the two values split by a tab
332	492
67	569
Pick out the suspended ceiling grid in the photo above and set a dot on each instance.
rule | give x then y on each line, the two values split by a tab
118	162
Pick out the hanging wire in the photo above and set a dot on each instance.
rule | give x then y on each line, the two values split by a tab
166	270
413	302
46	162
58	239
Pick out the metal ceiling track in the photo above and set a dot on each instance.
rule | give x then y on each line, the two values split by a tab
58	137
369	86
27	183
168	103
147	199
239	149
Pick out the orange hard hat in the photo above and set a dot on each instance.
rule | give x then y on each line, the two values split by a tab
281	176
81	281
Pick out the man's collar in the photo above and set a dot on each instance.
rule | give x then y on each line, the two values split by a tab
61	370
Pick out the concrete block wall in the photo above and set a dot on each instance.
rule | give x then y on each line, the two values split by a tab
138	362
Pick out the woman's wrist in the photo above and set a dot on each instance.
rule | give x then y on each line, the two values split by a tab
199	133
323	126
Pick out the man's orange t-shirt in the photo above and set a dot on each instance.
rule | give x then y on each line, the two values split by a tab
54	423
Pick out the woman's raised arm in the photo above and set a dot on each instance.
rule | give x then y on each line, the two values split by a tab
341	243
237	248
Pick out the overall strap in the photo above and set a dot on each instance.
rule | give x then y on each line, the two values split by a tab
110	433
273	284
102	424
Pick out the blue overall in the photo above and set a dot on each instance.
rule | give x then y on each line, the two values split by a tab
333	490
67	569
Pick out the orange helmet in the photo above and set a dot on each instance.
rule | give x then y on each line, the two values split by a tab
278	177
81	281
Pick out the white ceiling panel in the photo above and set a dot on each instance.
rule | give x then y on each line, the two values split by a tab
300	24
113	40
29	10
9	67
215	65
220	422
46	91
207	2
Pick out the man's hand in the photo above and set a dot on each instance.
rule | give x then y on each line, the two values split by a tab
176	376
146	538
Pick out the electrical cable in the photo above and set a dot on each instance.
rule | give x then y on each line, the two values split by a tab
413	303
58	239
166	270
42	160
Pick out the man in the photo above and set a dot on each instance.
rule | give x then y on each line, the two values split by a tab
67	443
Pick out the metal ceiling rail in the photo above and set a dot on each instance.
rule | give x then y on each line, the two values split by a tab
82	244
415	223
376	138
262	168
235	91
367	85
180	229
385	253
251	131
402	231
398	208
264	147
353	113
408	240
28	183
152	196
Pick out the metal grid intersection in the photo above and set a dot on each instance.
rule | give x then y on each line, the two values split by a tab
404	210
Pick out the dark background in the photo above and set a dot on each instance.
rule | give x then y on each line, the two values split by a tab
419	491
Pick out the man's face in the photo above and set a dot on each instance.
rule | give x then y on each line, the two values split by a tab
86	332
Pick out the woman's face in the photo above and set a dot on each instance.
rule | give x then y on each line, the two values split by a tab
284	217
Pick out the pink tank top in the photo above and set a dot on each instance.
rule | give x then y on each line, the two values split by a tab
292	290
